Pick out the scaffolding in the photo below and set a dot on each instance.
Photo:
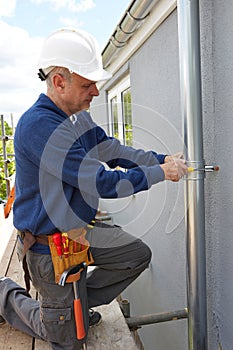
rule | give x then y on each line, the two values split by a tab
7	157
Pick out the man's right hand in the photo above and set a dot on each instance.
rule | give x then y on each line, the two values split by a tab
175	169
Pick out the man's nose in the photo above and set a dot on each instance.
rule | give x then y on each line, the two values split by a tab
94	90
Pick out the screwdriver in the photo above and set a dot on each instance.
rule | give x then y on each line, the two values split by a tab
207	168
75	246
65	242
58	243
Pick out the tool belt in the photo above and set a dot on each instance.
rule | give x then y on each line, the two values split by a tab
70	252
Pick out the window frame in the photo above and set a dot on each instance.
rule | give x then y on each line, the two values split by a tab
117	92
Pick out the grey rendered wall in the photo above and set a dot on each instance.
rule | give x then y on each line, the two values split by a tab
217	69
154	72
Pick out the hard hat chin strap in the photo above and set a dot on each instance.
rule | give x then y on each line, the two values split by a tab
42	75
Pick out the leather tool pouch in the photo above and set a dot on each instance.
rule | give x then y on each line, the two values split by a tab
64	261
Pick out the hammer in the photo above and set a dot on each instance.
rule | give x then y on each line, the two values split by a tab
78	314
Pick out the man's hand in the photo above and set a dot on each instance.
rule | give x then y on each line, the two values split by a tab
175	156
174	169
76	233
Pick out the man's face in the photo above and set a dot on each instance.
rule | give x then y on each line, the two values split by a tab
79	93
71	92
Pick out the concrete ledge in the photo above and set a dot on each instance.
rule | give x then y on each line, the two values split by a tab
113	333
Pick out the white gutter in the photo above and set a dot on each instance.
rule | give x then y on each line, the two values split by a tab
132	19
139	21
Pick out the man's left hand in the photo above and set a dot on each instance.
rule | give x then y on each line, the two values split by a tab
175	156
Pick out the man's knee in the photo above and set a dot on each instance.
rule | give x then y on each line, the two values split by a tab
144	254
147	253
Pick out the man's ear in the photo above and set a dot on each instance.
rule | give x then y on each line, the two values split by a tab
58	82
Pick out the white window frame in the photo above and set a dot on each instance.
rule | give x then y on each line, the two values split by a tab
117	91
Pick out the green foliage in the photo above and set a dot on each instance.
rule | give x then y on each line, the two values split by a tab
10	166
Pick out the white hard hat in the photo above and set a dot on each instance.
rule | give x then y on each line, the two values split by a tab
74	49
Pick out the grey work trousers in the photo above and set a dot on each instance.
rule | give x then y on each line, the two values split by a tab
119	259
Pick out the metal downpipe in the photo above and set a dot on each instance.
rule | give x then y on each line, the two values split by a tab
191	103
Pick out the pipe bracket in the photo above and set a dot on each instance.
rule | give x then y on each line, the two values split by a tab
195	170
195	167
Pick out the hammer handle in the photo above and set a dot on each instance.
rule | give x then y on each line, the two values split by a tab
78	313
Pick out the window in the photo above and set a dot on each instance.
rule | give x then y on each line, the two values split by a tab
127	117
114	117
120	112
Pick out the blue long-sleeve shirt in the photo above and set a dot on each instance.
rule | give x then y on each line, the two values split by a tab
61	169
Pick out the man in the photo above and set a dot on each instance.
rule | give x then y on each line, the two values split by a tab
60	177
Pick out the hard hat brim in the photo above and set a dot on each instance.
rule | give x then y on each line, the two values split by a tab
99	75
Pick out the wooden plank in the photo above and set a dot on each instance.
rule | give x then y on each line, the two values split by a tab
10	266
6	229
15	271
11	338
6	258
